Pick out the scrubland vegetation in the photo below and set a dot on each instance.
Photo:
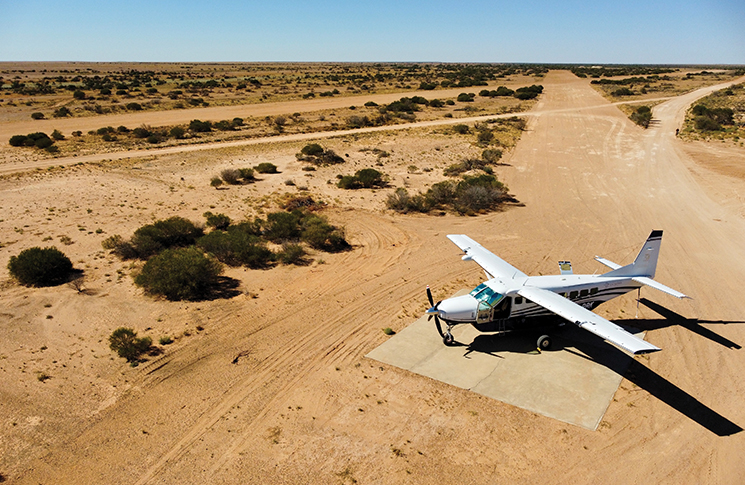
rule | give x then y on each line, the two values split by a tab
720	115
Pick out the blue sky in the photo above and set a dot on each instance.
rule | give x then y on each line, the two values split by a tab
648	32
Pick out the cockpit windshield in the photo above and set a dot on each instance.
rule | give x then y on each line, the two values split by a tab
486	295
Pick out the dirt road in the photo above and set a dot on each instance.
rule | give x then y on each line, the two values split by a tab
303	404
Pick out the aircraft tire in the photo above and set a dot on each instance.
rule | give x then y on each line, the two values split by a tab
448	340
544	342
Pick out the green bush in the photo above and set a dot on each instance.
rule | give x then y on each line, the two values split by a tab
78	94
319	234
240	245
199	126
704	123
282	226
292	254
134	106
40	266
491	155
266	167
57	136
126	344
367	178
141	132
465	97
247	174
622	92
172	232
217	221
461	129
17	140
37	116
216	182
177	132
642	116
231	176
180	274
62	112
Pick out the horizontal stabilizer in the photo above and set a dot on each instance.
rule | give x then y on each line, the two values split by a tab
659	286
606	262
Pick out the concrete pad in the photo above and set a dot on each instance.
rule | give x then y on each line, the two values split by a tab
564	384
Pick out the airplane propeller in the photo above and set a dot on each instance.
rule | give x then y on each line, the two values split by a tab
446	337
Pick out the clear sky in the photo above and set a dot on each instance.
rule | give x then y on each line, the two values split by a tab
543	31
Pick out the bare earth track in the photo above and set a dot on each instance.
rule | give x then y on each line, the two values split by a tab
303	405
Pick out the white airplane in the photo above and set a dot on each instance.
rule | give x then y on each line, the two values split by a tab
511	300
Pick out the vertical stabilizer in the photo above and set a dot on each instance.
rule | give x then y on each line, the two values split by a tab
645	263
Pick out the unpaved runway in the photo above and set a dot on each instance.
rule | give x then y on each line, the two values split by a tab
306	406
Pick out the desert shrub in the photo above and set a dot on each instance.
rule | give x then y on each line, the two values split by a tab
319	234
478	193
126	344
529	92
216	181
40	266
246	174
371	104
461	129
292	254
224	125
436	103
704	123
266	167
642	116
199	126
177	132
367	178
312	149
402	202
465	97
78	94
174	231
622	92
155	138
283	226
44	142
240	245
237	121
485	137
141	132
57	135
180	274
17	140
105	129
37	116
427	86
217	221
134	106
230	176
108	137
165	340
491	155
302	202
62	112
358	121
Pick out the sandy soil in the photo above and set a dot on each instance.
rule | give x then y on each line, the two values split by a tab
302	404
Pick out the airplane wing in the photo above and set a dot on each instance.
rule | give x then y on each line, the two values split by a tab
583	318
492	264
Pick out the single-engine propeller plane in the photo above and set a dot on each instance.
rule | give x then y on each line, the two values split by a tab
511	300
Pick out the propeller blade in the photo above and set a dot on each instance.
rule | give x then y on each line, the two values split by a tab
429	297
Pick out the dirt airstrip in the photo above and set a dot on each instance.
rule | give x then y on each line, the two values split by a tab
272	386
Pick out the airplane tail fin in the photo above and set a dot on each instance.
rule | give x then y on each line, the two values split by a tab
645	263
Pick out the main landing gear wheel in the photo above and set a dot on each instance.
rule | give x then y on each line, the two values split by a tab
544	342
448	339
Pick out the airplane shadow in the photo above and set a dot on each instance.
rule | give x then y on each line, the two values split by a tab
593	348
692	324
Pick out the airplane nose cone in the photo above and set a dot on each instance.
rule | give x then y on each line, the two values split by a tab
458	309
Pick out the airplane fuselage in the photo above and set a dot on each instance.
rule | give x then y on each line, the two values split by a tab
493	302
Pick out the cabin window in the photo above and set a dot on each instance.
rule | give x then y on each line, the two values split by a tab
519	300
583	293
573	295
563	294
593	291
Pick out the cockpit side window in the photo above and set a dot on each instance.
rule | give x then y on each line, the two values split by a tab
486	295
